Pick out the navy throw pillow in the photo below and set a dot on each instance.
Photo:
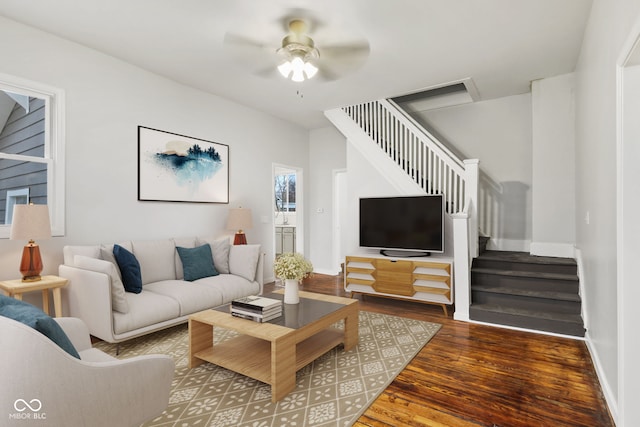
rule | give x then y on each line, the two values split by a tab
129	268
197	262
35	318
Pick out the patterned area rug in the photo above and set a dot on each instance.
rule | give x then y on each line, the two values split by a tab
332	391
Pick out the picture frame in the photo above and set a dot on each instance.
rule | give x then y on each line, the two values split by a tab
180	168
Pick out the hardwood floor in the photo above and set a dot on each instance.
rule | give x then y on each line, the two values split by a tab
476	375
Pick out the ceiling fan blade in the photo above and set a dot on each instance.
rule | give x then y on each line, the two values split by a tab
325	73
339	60
252	54
355	51
243	42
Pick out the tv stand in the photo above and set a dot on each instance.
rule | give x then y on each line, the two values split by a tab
422	279
404	254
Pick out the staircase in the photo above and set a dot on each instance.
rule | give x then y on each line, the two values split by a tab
508	288
526	291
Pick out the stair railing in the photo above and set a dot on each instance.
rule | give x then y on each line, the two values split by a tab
430	165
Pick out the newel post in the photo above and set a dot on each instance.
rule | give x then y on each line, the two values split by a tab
461	266
471	179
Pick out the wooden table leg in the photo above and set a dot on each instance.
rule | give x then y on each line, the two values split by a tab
45	301
283	367
351	330
57	301
16	296
200	338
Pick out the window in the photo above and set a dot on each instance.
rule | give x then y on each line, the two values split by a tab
285	191
15	197
31	150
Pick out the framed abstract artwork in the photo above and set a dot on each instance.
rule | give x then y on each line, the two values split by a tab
178	168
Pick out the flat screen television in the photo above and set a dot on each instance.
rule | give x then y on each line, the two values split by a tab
407	223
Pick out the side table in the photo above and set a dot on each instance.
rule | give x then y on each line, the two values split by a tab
15	288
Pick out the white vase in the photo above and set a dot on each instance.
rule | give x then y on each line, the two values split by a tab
291	291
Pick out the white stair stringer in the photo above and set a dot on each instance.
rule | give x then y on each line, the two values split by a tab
378	158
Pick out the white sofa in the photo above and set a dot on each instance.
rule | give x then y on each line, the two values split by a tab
95	293
42	384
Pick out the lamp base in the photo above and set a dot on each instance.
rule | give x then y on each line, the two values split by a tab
31	263
240	239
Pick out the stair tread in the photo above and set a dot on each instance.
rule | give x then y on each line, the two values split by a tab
555	295
524	257
559	317
521	273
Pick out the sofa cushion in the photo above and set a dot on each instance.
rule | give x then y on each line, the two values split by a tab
37	319
185	242
197	262
220	251
230	286
130	269
156	258
70	251
145	309
243	260
106	253
192	297
118	301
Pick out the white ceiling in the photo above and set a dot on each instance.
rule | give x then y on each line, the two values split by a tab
414	44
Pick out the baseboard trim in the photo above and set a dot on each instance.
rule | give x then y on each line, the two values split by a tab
609	396
498	244
326	271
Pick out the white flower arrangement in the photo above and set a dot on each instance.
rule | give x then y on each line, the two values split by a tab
292	266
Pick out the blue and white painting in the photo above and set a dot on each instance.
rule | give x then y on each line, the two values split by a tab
174	167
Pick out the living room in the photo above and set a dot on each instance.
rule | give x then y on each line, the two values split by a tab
106	99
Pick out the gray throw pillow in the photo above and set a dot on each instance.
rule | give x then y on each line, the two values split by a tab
197	262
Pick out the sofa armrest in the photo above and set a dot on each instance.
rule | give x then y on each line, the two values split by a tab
73	392
88	297
260	272
132	390
76	331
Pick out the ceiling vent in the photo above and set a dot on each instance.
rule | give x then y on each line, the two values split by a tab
441	96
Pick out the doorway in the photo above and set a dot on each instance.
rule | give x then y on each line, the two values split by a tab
288	218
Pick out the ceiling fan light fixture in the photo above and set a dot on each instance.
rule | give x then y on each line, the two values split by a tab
310	70
285	69
298	50
297	65
298	69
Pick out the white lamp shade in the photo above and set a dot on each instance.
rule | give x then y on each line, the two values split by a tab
239	219
297	68
30	222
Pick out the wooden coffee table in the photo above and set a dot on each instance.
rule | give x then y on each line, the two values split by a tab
273	352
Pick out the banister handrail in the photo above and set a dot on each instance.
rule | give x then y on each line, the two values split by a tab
418	129
431	165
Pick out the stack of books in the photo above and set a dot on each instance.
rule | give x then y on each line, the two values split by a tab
256	308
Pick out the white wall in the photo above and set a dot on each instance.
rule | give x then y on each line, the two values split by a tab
596	172
553	195
629	230
327	153
106	100
498	133
363	180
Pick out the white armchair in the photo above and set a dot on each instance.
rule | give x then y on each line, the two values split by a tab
44	385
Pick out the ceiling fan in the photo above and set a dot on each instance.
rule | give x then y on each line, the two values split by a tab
297	56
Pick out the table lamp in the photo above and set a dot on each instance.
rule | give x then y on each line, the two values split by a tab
239	219
30	222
